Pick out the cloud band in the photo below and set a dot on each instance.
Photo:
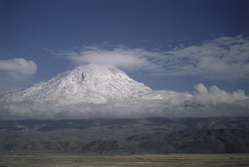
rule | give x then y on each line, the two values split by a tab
223	58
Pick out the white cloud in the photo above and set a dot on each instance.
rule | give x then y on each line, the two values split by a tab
120	57
214	95
223	58
18	68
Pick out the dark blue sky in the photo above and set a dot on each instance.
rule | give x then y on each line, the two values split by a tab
182	42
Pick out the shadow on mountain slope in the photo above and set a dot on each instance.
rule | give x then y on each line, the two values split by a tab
127	136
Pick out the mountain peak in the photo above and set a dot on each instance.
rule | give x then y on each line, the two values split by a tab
94	66
98	71
91	83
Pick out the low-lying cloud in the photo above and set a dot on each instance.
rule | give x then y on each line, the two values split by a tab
214	95
18	68
204	102
226	57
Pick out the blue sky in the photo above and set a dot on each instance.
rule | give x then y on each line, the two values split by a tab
166	44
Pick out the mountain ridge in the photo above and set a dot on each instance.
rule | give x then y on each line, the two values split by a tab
89	84
154	135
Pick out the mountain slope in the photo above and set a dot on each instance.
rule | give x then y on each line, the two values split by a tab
127	136
86	84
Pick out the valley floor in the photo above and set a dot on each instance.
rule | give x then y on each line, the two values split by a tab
146	160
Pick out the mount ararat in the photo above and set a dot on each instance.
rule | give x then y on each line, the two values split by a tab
89	84
105	91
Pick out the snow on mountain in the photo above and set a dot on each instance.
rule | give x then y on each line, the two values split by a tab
98	91
89	84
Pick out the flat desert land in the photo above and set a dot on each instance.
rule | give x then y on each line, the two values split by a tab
78	160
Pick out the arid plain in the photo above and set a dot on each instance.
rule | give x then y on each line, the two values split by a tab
146	160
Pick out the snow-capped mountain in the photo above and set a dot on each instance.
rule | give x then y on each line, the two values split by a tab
91	83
